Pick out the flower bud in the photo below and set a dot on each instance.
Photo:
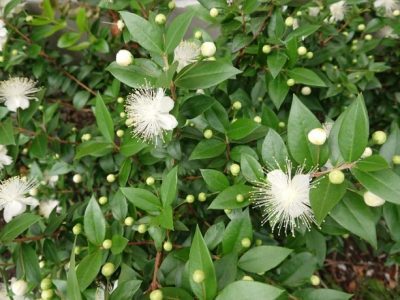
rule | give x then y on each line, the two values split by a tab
198	34
259	242
77	229
379	137
128	221
120	25
306	90
208	49
124	58
14	52
19	287
289	21
47	294
33	192
77	178
247	278
396	13
171	5
190	198
302	50
214	12
110	178
246	242
150	180
315	280
235	169
86	137
361	27
160	19
290	82
108	269
167	246
120	133
239	198
257	119
310	55
122	114
208	134
317	136
129	122
120	100
373	200
266	49
198	276
281	124
336	177
46	284
28	18
142	228
41	264
396	159
227	211
77	250
368	37
367	152
156	294
237	105
107	244
202	197
103	200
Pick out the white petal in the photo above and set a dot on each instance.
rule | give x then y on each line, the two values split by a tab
13	209
278	179
165	105
167	122
301	181
11	104
33	202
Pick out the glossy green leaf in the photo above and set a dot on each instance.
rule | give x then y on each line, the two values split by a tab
94	223
142	198
275	62
227	198
216	181
238	228
17	226
176	30
104	120
251	168
249	290
88	268
273	151
306	76
208	149
270	256
278	90
169	187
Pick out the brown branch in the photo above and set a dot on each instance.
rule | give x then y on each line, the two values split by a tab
154	283
50	138
342	167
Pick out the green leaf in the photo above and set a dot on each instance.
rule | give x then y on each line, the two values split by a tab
118	244
17	226
94	223
68	39
94	148
306	76
275	62
133	75
242	128
28	261
73	290
391	213
172	293
169	187
217	117
355	216
149	36
392	145
301	122
237	229
318	294
208	149
126	290
131	145
200	259
7	133
196	105
270	256
372	163
273	150
251	168
39	145
177	29
214	235
124	172
298	269
205	74
302	31
142	198
249	290
324	197
278	90
227	198
384	183
104	120
354	130
216	181
88	269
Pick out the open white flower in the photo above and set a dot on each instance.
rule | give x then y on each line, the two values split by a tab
5	160
338	11
16	92
314	11
284	199
46	207
149	109
13	199
186	53
388	5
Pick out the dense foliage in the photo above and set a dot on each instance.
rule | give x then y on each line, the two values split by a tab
243	149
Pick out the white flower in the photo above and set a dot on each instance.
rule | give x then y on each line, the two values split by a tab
46	207
314	11
5	160
387	5
186	53
3	35
13	199
19	287
149	109
229	2
387	32
337	10
16	92
284	199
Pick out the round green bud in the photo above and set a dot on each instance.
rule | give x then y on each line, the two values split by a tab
41	264
198	276
86	137
396	159
142	228
239	198
111	178
160	19
259	242
77	178
129	122
208	134
156	295
361	27
167	246
108	269
246	242
368	37
120	133
266	49
257	119
77	250
302	50
396	13
103	200
47	294
235	169
310	55
237	105
289	21
281	124
299	13
336	177
379	137
306	90
290	82
28	18
202	197
214	12
171	4
150	180
247	278
120	100
107	244
190	198
128	221
46	284
77	229
198	34
122	114
315	280
14	52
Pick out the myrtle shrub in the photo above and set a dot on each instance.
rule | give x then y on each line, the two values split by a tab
211	149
